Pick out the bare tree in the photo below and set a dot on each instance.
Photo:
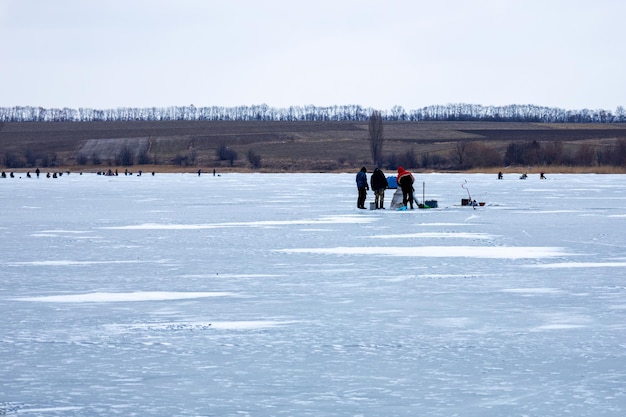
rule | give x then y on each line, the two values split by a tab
125	156
254	159
31	158
585	155
478	154
376	137
143	158
459	154
81	159
553	152
13	160
224	153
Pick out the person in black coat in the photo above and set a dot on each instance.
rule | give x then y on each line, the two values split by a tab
379	185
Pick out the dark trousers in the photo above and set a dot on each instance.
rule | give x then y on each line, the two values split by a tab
407	196
360	202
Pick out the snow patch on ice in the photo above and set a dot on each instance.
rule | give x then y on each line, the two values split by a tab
580	265
499	252
563	321
559	326
107	297
169	226
446	224
55	410
165	326
65	231
74	263
551	211
348	219
444	276
56	236
198	325
218	275
60	232
449	322
435	235
532	290
248	325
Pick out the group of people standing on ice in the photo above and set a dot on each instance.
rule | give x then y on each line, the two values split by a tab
542	176
379	184
37	172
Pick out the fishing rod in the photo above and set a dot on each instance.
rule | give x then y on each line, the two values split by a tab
468	195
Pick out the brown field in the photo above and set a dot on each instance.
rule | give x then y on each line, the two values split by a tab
283	146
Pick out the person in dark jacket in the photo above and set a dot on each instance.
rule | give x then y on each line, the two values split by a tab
405	181
379	185
361	185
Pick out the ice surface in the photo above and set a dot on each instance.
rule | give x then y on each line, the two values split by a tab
107	297
272	294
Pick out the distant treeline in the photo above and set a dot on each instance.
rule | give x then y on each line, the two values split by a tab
263	112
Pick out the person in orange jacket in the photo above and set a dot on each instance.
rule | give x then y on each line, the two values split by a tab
405	181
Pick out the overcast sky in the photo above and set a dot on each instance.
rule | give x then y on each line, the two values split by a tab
411	53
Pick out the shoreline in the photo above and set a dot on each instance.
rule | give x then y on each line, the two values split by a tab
171	169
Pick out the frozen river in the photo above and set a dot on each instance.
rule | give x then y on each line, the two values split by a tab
273	295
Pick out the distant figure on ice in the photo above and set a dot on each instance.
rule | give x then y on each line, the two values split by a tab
500	176
524	176
405	181
542	176
199	172
379	185
362	187
37	172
